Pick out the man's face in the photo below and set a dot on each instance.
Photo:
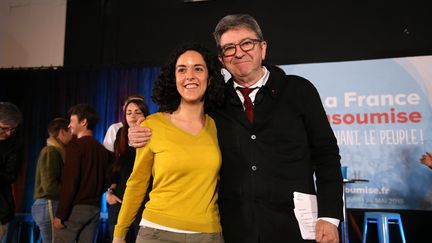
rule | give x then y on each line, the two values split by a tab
75	125
244	66
6	131
65	136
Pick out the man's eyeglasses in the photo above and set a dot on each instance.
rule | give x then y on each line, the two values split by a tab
246	45
7	129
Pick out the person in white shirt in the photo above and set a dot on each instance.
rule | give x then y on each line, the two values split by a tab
110	136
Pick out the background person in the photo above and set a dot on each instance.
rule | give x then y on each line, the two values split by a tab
133	109
10	161
49	169
111	134
84	179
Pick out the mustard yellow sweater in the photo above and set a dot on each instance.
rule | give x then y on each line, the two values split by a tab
185	174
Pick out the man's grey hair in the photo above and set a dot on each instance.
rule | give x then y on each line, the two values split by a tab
236	21
10	114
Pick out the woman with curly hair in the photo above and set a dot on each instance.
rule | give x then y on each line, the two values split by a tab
183	155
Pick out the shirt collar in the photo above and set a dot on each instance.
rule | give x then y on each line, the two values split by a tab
261	82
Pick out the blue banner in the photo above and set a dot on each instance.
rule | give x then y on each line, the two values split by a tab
380	111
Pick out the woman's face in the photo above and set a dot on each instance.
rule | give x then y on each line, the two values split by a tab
191	76
133	113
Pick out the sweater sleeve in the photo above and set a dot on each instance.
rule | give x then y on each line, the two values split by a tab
50	172
71	180
136	188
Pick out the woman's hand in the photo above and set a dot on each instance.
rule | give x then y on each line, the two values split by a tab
112	198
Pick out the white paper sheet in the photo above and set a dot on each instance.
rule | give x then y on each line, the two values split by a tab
306	212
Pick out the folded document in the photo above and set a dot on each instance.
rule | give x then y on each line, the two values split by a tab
306	212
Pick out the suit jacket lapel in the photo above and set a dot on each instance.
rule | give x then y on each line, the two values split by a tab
266	100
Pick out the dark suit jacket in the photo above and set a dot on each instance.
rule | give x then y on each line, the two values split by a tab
264	163
11	157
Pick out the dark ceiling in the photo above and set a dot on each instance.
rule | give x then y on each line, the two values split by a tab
129	32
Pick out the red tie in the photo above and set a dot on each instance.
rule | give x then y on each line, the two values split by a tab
247	102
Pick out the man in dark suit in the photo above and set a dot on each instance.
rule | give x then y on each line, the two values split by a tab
10	161
274	139
266	160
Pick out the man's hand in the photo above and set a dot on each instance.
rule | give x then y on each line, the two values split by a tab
138	136
326	232
426	159
58	224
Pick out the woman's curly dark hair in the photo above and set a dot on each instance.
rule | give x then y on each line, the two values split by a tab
165	92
